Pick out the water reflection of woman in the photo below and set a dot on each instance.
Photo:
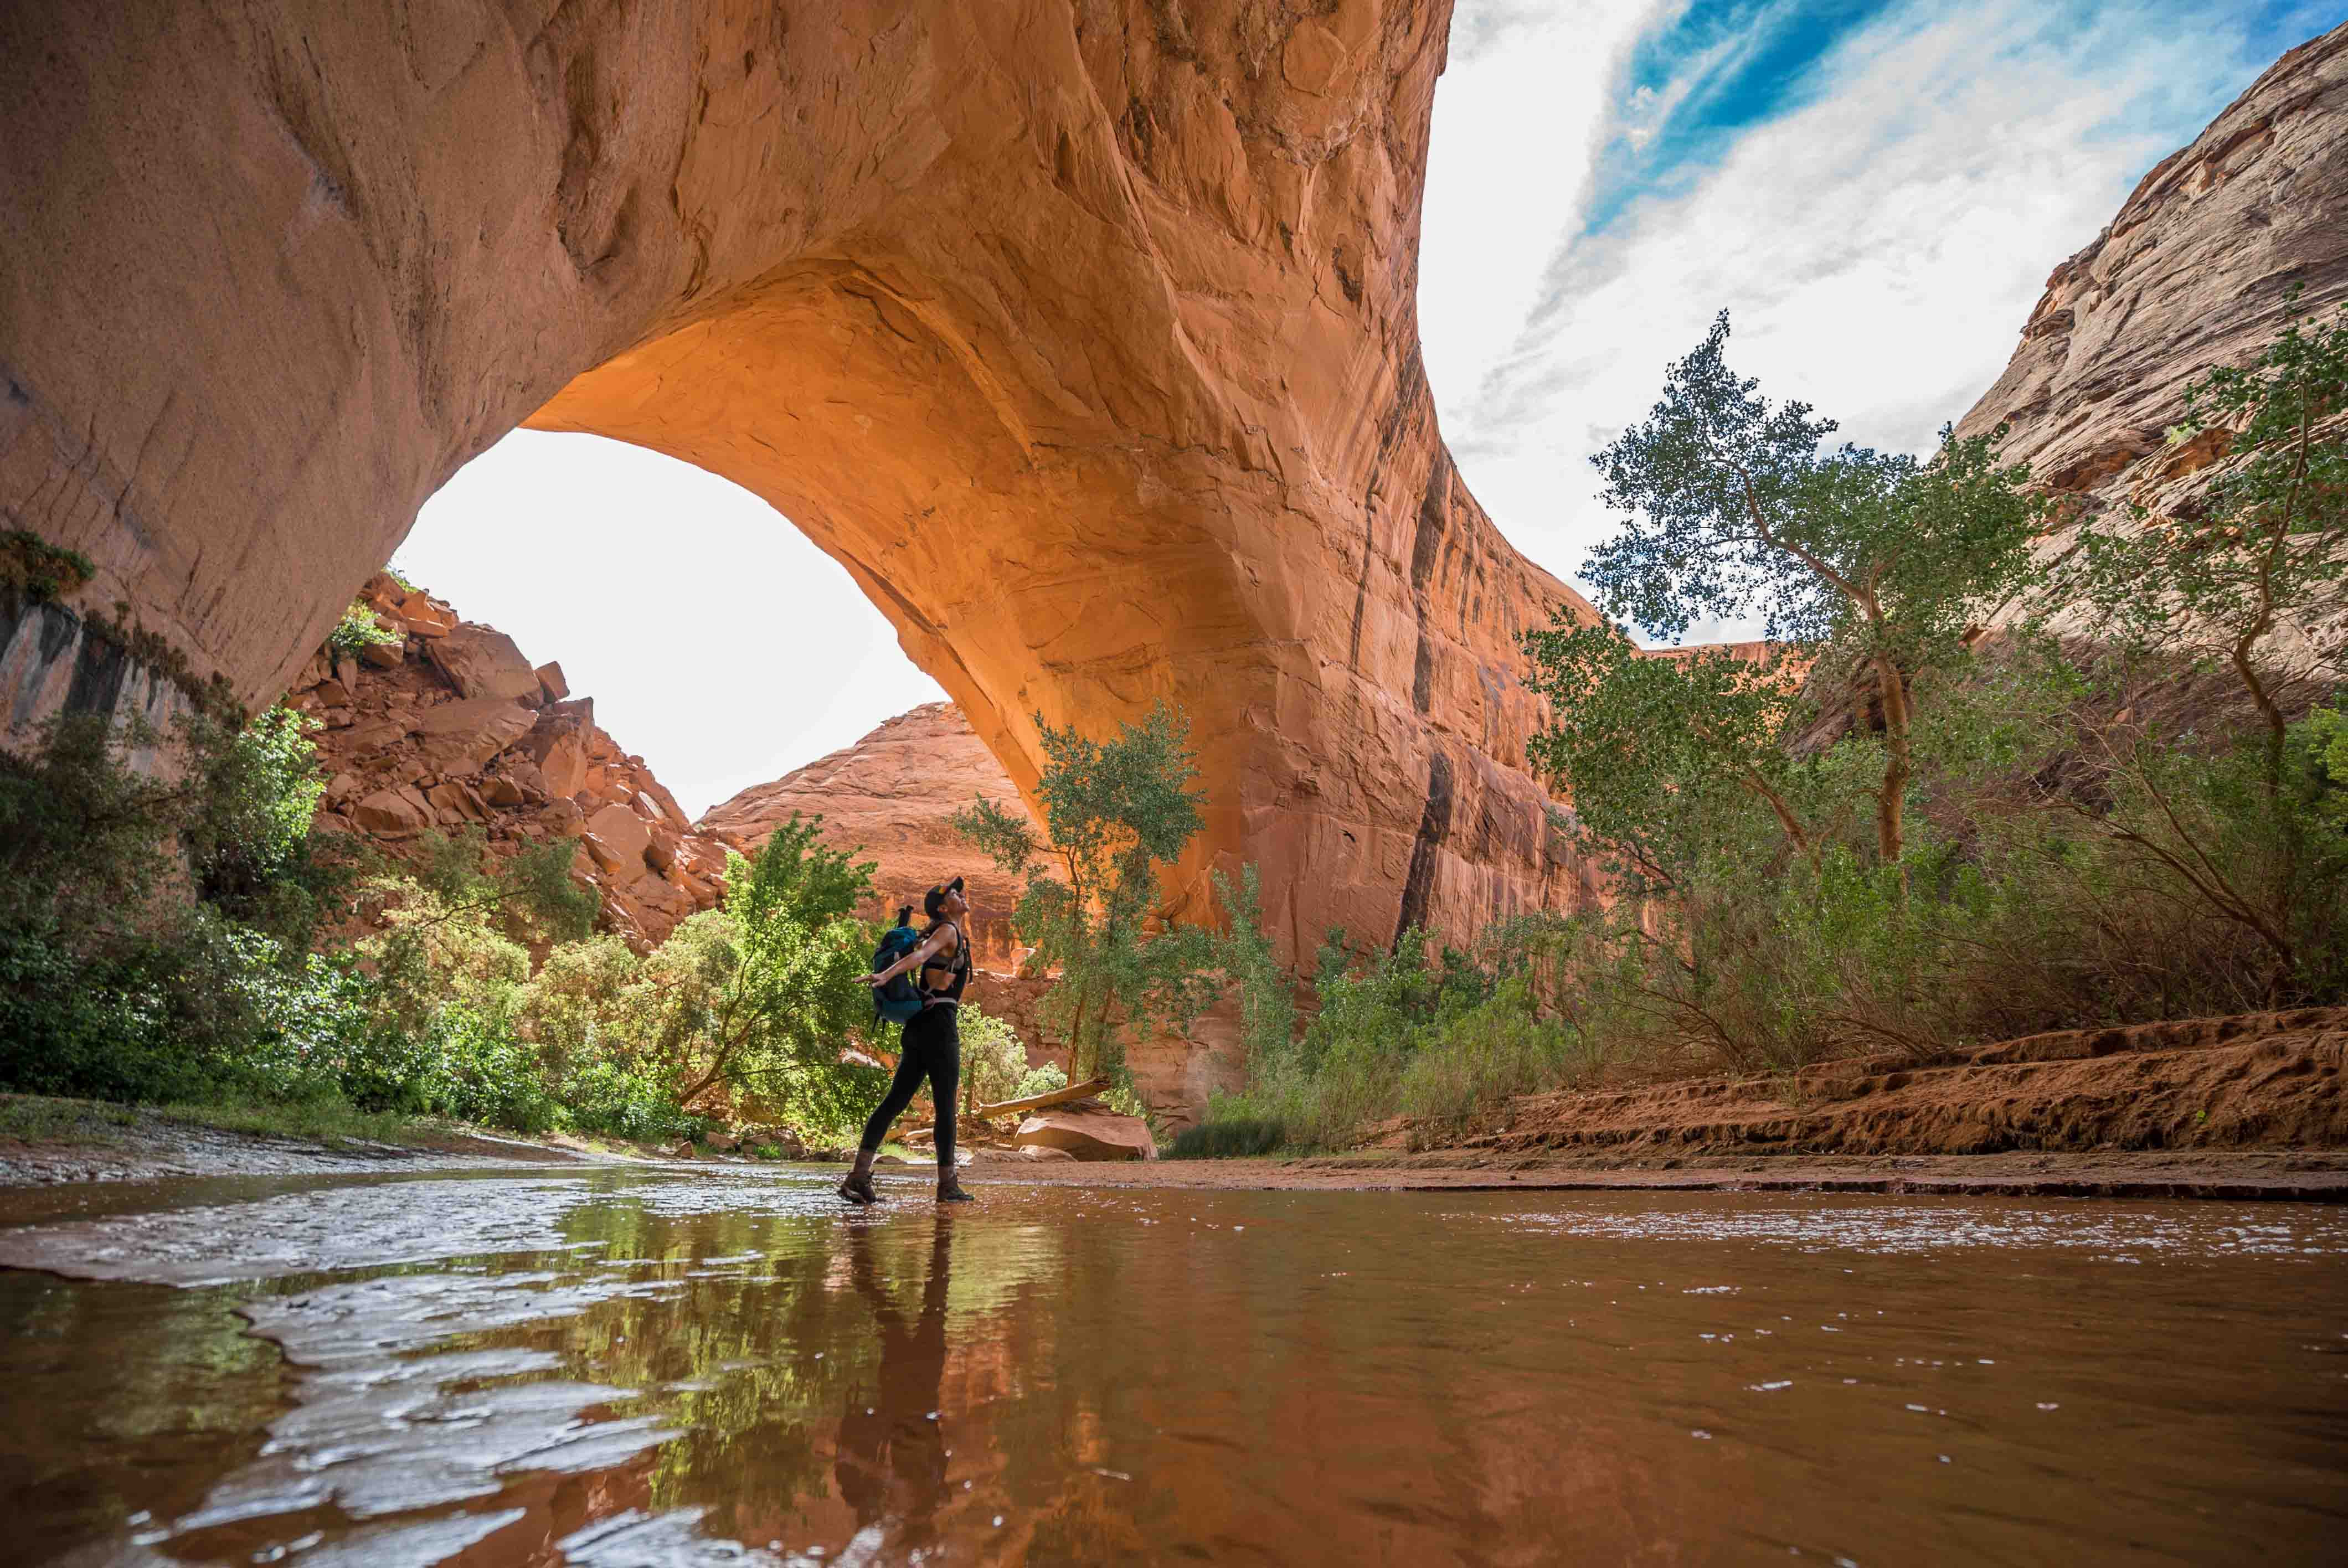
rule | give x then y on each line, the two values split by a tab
892	1464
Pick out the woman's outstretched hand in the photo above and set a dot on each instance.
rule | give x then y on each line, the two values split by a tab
875	980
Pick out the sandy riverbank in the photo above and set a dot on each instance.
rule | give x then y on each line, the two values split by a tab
152	1148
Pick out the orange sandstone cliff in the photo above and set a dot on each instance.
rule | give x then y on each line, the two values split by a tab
1083	335
2198	268
888	798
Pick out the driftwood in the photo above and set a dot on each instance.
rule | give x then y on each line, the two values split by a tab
1038	1101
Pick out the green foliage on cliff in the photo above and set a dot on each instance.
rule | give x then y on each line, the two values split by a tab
39	570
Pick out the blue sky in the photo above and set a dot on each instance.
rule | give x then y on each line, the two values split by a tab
1876	189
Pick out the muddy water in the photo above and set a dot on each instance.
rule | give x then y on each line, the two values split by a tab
618	1371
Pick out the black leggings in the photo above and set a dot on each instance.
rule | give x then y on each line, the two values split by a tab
931	1048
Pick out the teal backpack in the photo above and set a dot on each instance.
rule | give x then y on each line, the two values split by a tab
901	999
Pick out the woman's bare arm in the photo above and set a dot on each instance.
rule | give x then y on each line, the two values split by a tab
914	960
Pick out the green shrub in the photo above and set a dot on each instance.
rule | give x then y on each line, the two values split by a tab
359	630
1227	1138
994	1062
38	569
1043	1079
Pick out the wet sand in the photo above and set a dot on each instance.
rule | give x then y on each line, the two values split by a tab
155	1150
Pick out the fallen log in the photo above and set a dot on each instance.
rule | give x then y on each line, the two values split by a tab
1038	1101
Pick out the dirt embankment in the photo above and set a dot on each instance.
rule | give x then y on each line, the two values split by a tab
2262	1082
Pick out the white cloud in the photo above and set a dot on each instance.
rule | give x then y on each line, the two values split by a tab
1521	117
1879	245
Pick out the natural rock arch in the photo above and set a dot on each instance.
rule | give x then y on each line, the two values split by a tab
1082	334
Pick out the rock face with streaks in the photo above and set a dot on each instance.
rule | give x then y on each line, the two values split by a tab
2195	271
1084	336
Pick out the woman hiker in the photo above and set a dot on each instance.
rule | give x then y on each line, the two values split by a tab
931	1044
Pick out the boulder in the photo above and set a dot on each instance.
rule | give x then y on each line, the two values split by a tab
662	846
424	618
653	800
393	812
1042	1151
383	655
455	797
552	686
458	737
365	740
605	854
1087	1134
625	830
500	790
482	661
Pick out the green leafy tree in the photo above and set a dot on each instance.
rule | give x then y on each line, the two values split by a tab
2268	536
1247	960
1114	811
1645	742
764	993
1861	560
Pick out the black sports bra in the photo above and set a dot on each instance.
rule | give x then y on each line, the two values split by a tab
957	967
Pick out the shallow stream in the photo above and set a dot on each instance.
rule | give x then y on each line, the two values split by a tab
619	1369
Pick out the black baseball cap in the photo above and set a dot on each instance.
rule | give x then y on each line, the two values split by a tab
937	895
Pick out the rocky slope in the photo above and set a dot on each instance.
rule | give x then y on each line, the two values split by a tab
2194	271
887	798
452	727
1084	337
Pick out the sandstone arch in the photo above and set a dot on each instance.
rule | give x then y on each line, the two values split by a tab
1083	335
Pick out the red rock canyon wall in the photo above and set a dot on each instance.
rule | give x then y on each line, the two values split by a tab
2194	271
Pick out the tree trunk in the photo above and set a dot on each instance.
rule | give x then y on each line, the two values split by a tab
1891	803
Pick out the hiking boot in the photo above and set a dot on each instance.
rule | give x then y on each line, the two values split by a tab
950	1192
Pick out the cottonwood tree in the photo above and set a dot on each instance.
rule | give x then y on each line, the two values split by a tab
1114	811
2268	536
1647	744
763	993
1854	561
